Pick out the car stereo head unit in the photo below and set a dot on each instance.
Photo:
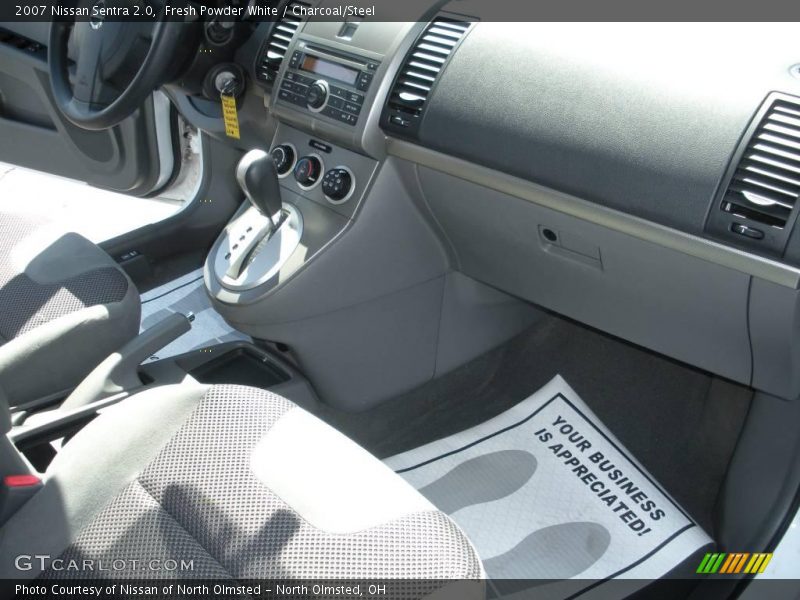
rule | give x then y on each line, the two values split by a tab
327	83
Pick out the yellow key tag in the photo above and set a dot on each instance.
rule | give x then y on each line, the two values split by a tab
230	116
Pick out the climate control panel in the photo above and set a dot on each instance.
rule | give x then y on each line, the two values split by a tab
284	156
316	170
337	184
308	170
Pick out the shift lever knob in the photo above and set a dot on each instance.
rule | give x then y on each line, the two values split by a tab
258	179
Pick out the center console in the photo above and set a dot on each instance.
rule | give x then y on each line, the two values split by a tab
322	187
355	285
326	150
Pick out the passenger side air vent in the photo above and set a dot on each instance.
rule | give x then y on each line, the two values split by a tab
766	183
419	73
760	196
277	44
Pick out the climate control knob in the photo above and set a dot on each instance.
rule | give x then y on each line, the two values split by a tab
337	184
307	171
283	157
317	95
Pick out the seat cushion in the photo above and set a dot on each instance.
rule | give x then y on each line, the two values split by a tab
242	482
64	306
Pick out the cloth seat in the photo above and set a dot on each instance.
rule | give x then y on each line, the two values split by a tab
244	484
65	305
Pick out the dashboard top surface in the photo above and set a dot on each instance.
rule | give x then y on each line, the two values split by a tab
640	118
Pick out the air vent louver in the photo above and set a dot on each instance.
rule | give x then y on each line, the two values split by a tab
21	43
277	44
766	184
420	70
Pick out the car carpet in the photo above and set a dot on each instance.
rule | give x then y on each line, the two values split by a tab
681	423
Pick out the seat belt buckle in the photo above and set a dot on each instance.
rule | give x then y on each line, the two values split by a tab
15	491
21	481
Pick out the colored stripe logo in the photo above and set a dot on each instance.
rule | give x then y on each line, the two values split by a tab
734	562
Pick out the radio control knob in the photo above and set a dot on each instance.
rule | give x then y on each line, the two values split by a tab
307	171
317	95
283	157
337	183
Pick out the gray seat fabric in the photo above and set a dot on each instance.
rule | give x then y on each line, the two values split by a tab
64	306
243	483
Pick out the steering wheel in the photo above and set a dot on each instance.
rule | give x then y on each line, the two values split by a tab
103	48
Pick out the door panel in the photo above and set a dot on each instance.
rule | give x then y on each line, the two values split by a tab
135	157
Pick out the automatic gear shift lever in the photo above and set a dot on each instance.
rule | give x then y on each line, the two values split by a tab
259	241
258	179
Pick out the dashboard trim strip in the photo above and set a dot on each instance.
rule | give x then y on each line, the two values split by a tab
692	245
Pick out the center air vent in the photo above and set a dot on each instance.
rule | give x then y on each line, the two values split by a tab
22	43
759	199
277	44
420	71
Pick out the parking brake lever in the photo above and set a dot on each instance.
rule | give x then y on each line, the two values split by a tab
120	371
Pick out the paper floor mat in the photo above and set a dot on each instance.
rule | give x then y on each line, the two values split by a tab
545	491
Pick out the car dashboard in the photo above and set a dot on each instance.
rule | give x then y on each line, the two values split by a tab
641	180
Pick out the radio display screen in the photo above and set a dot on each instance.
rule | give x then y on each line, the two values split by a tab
326	68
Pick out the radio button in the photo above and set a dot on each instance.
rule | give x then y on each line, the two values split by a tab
348	118
290	97
353	97
353	108
363	81
339	92
293	87
343	117
330	111
284	95
336	102
317	95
